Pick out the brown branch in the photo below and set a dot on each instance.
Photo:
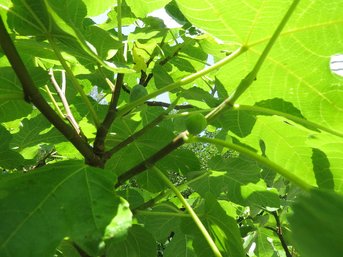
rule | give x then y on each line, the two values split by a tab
81	252
163	104
162	62
149	203
143	79
278	231
139	168
147	80
33	95
140	132
99	142
168	58
133	137
271	228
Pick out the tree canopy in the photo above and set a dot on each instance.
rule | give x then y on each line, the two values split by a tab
171	128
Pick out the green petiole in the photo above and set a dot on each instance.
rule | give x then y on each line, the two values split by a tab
190	210
261	159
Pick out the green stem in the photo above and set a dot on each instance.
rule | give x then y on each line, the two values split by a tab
184	81
261	159
186	113
251	77
74	81
160	213
59	112
140	132
165	194
145	164
296	119
260	111
190	211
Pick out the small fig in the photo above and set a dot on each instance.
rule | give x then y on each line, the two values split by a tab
138	91
196	123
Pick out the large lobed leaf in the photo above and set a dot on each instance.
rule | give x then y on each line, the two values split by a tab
65	22
71	199
296	70
40	208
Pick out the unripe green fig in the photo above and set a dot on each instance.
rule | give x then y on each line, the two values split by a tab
196	123
138	91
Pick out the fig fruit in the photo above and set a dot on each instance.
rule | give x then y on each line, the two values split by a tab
196	123
138	91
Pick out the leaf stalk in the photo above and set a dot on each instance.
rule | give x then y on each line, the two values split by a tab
261	159
190	210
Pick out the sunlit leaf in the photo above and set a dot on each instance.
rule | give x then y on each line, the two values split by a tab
289	118
97	8
142	7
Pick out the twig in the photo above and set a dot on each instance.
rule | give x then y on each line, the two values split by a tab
148	203
102	131
99	143
139	168
74	81
81	252
61	93
120	33
169	57
32	94
133	137
190	210
142	80
180	139
165	193
183	81
278	231
141	132
146	82
162	62
163	104
59	111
